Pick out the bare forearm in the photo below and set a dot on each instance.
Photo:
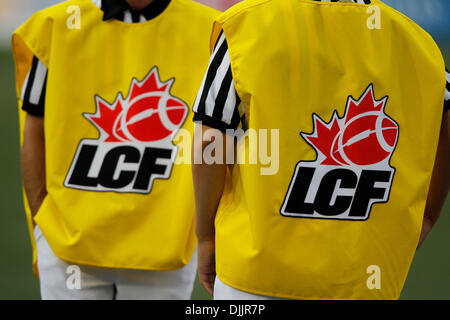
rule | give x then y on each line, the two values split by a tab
208	185
209	181
33	162
440	181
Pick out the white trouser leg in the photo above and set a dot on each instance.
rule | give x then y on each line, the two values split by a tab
54	275
157	285
225	292
105	283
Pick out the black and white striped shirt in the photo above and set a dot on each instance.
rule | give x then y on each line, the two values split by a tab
218	105
33	90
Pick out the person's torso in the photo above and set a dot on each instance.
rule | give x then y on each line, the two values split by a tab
118	127
357	107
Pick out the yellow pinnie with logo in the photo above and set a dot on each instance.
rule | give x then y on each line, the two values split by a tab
117	95
358	111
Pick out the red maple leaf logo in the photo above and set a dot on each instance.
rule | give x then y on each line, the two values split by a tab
149	113
364	136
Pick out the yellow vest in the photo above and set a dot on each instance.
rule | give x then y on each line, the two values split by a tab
117	96
358	110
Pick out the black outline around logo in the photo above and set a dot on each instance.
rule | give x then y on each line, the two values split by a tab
175	148
294	176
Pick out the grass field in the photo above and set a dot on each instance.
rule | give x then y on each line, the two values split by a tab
429	277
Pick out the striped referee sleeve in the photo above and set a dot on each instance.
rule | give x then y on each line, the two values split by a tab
34	87
447	91
217	104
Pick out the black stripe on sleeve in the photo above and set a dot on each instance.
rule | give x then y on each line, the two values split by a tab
211	74
447	73
27	106
222	95
31	77
220	125
210	122
447	92
222	99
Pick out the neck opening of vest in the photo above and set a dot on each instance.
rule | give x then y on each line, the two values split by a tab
352	170
135	144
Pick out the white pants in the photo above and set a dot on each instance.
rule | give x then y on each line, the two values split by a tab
225	292
93	283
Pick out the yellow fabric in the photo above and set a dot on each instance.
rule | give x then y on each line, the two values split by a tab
295	63
91	69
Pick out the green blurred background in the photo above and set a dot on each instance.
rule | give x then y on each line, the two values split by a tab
429	277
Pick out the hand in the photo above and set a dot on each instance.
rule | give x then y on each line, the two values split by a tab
33	162
207	264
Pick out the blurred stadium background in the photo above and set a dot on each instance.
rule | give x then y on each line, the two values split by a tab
429	277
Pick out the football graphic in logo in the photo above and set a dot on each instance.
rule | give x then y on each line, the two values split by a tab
135	145
363	137
149	113
352	170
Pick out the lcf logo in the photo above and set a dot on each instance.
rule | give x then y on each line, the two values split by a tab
352	170
135	139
